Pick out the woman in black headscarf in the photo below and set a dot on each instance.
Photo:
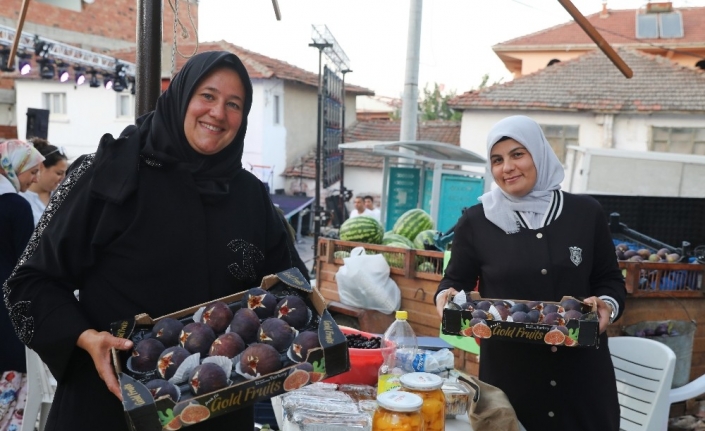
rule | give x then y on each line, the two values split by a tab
158	220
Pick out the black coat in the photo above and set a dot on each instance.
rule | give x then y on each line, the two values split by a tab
163	249
16	226
572	388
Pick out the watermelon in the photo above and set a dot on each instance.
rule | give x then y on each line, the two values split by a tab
412	222
426	267
396	260
342	254
362	229
390	237
425	237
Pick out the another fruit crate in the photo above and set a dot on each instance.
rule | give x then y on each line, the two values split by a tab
411	263
655	269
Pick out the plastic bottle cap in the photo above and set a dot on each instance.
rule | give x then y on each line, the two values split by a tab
421	381
403	315
400	401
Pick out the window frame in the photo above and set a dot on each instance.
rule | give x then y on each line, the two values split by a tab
118	106
564	137
697	139
49	103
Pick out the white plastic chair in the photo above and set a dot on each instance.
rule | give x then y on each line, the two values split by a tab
644	369
40	392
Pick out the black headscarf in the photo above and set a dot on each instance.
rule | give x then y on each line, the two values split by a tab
159	136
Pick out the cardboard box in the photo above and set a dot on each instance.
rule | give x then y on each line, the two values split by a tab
581	333
143	413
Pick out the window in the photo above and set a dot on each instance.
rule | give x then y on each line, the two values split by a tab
559	137
55	103
682	140
276	110
125	105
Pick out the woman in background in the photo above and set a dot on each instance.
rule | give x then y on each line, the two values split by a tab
51	172
19	165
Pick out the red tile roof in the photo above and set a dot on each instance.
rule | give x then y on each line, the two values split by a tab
382	130
592	83
258	66
618	28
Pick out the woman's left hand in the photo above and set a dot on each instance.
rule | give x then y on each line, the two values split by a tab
603	311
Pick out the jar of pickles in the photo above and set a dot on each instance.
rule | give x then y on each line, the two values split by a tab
398	411
429	387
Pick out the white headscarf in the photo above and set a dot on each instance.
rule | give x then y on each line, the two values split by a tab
17	157
499	207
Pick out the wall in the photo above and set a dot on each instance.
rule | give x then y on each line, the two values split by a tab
91	112
112	21
300	119
623	132
532	61
363	181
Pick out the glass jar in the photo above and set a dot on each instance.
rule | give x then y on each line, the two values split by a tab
429	387
398	411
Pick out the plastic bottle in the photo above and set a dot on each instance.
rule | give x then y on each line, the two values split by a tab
399	348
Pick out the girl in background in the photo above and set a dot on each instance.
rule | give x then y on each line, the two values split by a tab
51	172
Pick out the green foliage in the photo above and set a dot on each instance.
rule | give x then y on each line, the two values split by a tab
434	104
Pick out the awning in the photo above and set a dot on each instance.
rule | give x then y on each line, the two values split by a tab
426	151
291	205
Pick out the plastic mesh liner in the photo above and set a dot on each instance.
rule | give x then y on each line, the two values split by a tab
669	220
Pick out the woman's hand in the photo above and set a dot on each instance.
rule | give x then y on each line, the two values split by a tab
442	298
604	311
98	345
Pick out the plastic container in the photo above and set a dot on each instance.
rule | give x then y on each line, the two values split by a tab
429	387
399	347
364	363
681	344
457	398
398	411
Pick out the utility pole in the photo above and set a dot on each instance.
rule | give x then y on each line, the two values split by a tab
409	107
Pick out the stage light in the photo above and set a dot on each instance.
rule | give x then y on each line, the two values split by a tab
62	71
120	81
41	48
133	85
79	75
46	68
107	81
94	83
25	65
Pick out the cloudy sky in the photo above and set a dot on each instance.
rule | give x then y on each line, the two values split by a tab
456	35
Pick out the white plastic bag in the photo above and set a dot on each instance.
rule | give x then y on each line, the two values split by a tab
364	282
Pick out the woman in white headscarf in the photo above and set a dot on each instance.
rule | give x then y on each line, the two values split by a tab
19	164
528	240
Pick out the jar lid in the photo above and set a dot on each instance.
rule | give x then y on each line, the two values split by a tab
400	401
421	381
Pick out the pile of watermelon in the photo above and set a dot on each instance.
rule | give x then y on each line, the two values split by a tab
412	230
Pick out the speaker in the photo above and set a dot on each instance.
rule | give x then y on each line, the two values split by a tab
37	123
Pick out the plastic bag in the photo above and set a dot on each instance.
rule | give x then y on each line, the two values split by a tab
364	282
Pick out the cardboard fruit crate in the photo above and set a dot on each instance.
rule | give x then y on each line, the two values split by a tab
579	333
144	413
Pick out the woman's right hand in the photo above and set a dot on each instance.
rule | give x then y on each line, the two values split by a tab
98	345
442	298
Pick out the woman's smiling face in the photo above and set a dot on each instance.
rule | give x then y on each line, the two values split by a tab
513	168
215	111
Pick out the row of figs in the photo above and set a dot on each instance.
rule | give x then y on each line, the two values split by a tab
531	312
264	335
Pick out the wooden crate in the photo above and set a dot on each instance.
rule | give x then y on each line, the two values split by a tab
663	280
417	288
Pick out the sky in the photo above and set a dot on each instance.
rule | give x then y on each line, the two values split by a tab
456	35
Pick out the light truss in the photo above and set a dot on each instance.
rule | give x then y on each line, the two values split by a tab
65	52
